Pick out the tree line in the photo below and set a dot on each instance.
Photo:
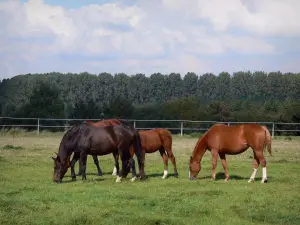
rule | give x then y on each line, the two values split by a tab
242	96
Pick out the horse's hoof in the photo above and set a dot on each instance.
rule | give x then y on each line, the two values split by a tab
118	180
250	181
226	180
176	175
114	174
133	179
264	181
73	178
99	174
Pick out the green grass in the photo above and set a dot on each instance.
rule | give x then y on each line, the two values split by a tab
28	195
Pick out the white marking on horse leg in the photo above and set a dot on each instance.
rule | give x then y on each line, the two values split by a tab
165	174
264	177
252	176
133	179
114	173
118	180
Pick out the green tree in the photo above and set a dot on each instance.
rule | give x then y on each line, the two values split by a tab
44	102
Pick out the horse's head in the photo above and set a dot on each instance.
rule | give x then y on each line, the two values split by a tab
194	168
60	168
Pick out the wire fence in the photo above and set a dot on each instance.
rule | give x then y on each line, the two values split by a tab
175	126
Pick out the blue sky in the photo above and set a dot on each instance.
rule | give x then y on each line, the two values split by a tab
140	36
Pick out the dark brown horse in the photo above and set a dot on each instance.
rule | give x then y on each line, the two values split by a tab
225	140
85	139
159	139
108	122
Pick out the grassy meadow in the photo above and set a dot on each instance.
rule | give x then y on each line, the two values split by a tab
28	195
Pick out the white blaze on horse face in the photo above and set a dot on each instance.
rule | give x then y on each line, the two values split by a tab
114	171
165	174
252	176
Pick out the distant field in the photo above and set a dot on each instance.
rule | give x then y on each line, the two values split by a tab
28	195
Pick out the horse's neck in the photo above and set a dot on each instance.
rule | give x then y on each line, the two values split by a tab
200	149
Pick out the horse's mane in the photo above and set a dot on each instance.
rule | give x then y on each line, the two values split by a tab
71	134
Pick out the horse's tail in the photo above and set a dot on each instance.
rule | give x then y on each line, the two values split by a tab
167	143
268	140
138	151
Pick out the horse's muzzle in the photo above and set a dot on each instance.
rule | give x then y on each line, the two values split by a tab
58	181
193	178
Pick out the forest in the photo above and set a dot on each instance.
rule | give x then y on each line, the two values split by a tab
241	96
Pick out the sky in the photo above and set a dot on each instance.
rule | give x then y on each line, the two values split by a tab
143	36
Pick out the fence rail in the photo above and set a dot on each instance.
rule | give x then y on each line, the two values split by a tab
182	126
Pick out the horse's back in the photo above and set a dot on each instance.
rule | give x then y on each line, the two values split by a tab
231	139
154	139
108	122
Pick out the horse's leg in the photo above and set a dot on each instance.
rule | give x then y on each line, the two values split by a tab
173	160
96	161
80	168
256	164
133	170
114	173
263	163
116	157
214	154
83	159
75	158
224	164
165	159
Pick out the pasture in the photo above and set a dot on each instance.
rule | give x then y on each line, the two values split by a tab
28	195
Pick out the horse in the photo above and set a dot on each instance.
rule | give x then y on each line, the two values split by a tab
85	139
225	140
159	139
108	122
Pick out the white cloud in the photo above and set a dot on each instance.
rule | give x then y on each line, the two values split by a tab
264	17
162	34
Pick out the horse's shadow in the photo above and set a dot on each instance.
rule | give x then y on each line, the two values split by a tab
159	175
221	176
91	174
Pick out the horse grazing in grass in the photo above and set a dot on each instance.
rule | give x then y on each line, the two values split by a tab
159	139
224	140
85	139
108	122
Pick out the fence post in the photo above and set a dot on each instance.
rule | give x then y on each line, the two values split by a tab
134	124
273	128
66	125
181	129
38	126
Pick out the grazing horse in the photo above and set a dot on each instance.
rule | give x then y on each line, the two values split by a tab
221	139
159	139
85	139
108	122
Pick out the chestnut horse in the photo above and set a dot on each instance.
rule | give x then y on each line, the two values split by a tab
158	139
108	122
221	139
